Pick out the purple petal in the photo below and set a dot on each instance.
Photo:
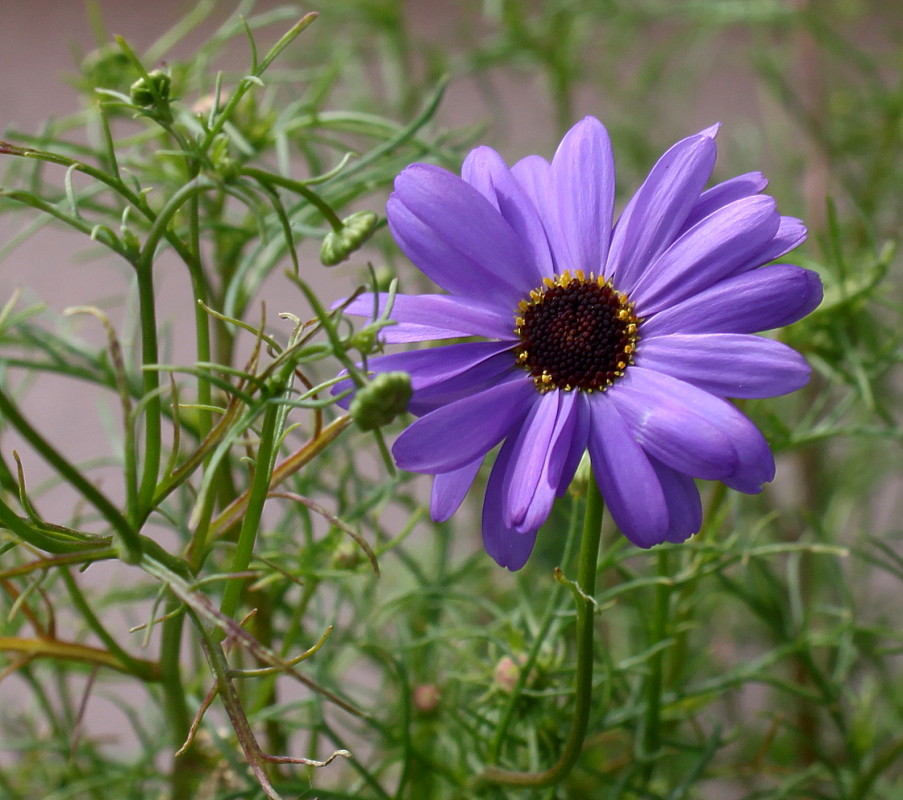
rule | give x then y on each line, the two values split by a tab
658	210
687	428
507	546
757	300
529	459
711	131
726	364
581	194
532	173
471	366
474	172
572	444
426	317
450	489
458	433
485	170
626	477
682	498
712	250
496	369
790	234
537	461
724	193
756	463
668	426
437	364
456	236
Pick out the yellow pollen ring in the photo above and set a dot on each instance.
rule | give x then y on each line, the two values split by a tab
622	312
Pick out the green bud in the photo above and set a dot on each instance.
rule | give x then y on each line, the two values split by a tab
347	556
384	278
220	156
131	242
381	400
366	339
150	92
356	229
582	477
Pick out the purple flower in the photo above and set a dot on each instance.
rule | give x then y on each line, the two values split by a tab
624	339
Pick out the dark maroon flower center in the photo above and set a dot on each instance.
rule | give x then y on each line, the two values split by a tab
576	332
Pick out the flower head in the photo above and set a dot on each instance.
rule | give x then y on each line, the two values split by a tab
621	339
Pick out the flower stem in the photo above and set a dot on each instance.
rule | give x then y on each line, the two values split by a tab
185	769
244	549
651	732
550	615
144	265
128	542
301	188
585	589
144	670
150	381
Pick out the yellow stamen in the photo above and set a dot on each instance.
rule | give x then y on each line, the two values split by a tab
550	291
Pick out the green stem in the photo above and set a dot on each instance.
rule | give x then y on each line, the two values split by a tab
244	85
184	776
151	381
549	616
651	736
251	522
149	353
46	539
586	588
228	695
136	199
78	558
268	178
203	345
140	669
201	318
127	536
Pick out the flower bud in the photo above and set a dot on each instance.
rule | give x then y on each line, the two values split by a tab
356	229
384	277
381	400
347	556
427	697
131	242
506	673
221	158
366	339
582	477
508	669
151	90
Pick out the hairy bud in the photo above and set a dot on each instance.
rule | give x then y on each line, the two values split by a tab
151	91
381	400
356	229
